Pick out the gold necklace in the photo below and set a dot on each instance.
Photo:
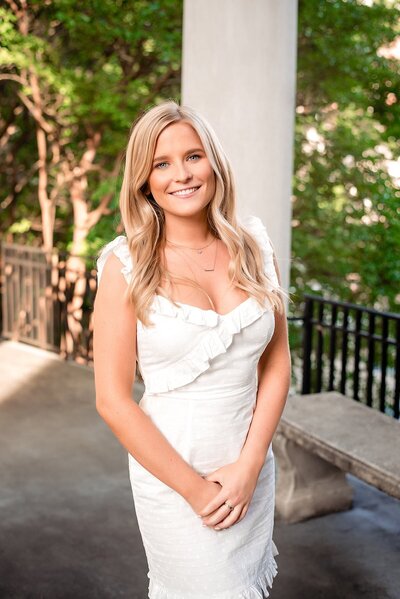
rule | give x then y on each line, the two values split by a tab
215	260
197	264
198	250
195	278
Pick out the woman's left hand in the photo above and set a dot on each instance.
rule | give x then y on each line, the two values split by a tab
238	486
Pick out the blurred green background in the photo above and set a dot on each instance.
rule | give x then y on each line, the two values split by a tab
74	76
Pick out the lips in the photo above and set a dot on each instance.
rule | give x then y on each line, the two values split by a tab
182	193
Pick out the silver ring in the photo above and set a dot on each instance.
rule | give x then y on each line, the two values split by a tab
229	506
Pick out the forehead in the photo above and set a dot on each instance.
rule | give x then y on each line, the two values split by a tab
176	136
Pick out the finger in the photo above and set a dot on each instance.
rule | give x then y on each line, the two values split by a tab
240	514
214	504
217	516
230	519
244	511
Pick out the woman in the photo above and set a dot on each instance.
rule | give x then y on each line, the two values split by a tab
193	296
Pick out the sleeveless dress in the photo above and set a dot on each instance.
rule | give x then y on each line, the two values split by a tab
200	375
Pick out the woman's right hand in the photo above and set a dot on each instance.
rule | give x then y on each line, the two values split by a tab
205	492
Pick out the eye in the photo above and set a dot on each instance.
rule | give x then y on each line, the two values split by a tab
159	164
195	156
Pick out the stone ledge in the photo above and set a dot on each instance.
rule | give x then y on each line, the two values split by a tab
349	435
319	439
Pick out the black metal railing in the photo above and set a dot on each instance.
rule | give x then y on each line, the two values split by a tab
334	345
351	349
46	303
27	303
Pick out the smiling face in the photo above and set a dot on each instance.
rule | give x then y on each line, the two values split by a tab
182	180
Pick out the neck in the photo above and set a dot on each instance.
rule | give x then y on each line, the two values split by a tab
189	231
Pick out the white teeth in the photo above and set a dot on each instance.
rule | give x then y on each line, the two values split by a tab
184	192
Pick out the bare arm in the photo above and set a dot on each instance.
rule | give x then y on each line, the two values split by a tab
274	369
114	349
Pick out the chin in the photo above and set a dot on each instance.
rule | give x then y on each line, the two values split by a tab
186	210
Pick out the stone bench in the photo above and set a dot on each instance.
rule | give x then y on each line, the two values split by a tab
322	436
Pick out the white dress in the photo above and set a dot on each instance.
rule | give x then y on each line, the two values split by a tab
200	374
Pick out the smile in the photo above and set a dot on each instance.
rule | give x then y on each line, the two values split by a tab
185	192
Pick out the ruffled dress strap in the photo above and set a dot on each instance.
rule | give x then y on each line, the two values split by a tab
254	225
119	247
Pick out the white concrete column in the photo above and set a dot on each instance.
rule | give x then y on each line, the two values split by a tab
239	67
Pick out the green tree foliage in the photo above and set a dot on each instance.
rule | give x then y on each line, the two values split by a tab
74	76
346	198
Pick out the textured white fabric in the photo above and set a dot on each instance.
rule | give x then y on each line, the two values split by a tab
200	375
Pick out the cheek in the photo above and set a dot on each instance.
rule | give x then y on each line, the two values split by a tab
208	174
211	179
156	180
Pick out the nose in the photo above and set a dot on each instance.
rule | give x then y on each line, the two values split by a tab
182	172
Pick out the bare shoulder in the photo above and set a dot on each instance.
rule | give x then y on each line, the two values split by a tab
113	309
113	285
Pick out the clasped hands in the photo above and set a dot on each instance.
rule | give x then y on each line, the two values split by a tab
233	483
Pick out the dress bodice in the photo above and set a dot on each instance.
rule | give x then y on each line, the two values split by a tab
187	339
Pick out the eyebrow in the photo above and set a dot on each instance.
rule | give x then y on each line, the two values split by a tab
189	152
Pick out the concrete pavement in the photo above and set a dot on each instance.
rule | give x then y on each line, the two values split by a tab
68	527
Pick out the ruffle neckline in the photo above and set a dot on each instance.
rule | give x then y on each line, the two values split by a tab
193	314
216	341
258	590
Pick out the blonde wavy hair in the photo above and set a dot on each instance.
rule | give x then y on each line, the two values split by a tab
143	218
